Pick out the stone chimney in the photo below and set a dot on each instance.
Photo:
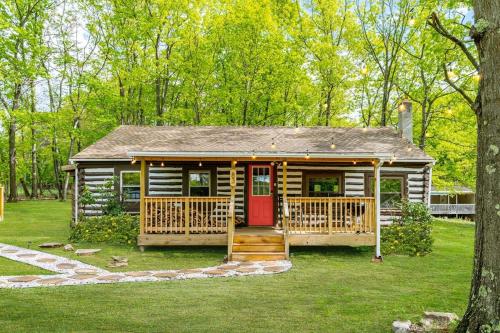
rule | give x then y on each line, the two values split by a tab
405	123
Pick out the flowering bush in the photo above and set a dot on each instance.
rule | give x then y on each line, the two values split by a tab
113	229
409	234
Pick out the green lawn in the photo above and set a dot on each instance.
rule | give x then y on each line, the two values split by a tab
328	289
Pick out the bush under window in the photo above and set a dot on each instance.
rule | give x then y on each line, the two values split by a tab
112	229
409	234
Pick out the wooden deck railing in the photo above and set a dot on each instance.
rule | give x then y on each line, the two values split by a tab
327	215
186	215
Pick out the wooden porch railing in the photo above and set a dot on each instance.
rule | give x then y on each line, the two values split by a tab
186	215
327	215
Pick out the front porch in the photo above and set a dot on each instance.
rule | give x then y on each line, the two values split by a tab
298	220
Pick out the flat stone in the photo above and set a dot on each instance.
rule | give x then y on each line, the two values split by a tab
50	245
401	326
52	281
24	278
441	316
27	255
216	272
69	247
82	276
275	269
115	264
247	263
119	258
246	269
229	267
166	275
86	252
46	260
65	265
110	277
138	274
9	251
190	271
85	271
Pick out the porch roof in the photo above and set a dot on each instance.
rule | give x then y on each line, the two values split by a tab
126	142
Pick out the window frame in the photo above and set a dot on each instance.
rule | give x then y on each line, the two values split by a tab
122	185
322	174
207	171
404	185
270	175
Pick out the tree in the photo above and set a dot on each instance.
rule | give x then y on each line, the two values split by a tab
483	310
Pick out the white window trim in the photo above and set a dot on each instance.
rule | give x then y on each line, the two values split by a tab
270	183
121	185
200	171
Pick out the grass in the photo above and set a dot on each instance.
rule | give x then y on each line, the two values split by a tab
328	289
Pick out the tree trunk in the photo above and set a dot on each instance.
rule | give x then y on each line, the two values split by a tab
12	160
483	311
25	188
34	161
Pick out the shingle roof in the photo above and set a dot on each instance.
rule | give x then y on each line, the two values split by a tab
239	139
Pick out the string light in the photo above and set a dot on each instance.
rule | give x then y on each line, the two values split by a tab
373	162
365	129
402	107
133	161
476	77
332	145
162	164
151	164
354	162
451	74
253	155
200	164
273	144
411	22
364	70
307	155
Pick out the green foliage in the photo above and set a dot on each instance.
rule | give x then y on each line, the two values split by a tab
111	198
409	234
116	229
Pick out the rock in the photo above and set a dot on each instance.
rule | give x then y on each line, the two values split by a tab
86	252
50	245
436	321
119	258
46	260
116	264
24	278
401	326
111	277
69	247
216	272
166	275
84	271
52	281
137	274
65	265
274	269
82	276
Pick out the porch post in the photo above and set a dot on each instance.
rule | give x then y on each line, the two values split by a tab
142	195
376	173
231	213
285	210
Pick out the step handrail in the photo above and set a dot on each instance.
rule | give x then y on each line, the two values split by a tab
286	215
230	228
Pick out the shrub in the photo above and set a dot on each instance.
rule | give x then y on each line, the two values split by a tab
409	234
113	229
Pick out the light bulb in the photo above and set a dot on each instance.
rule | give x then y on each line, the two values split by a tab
411	22
151	164
253	155
354	162
200	164
162	164
307	155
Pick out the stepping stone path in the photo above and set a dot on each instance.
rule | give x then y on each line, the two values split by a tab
50	245
74	272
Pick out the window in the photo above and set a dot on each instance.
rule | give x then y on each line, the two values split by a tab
261	181
130	186
199	183
391	190
324	185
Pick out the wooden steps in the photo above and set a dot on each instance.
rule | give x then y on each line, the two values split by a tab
258	245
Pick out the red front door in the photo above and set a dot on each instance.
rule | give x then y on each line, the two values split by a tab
260	195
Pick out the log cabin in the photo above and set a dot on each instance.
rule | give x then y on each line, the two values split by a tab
257	190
